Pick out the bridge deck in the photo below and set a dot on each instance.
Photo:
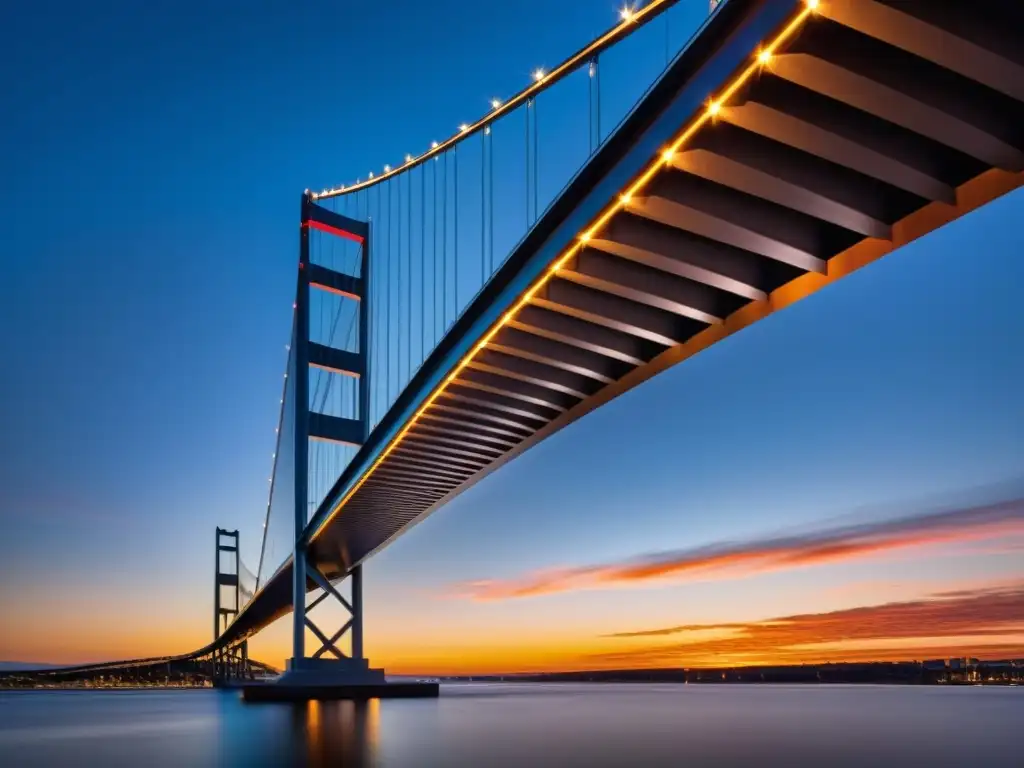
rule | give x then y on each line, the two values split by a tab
867	124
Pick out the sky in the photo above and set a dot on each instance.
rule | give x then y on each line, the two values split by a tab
841	481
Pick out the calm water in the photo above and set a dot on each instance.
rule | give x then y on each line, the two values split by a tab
524	725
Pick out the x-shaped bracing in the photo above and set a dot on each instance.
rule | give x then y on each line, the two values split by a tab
327	644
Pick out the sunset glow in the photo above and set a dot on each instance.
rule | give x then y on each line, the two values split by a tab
839	481
729	560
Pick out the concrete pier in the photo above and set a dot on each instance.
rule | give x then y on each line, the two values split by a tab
329	679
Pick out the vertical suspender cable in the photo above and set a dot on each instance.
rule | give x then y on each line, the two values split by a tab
336	394
408	288
597	98
490	202
455	230
483	204
444	246
364	215
433	262
536	137
378	251
387	309
590	105
423	263
398	291
529	103
371	328
394	233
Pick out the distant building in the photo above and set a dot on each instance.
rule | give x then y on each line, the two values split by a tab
963	670
997	671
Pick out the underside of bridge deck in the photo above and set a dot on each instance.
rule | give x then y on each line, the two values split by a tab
863	125
872	124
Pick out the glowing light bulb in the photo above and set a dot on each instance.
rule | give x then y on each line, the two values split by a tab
370	175
667	155
812	4
714	108
495	103
408	158
538	74
764	56
626	13
387	169
463	127
625	197
433	145
585	237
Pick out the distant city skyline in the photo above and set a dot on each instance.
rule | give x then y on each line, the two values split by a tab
842	481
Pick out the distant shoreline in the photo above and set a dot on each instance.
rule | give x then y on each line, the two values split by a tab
476	681
955	672
94	689
618	681
965	671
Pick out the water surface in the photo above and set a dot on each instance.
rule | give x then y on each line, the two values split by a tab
500	724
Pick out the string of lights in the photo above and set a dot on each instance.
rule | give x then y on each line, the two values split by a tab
630	19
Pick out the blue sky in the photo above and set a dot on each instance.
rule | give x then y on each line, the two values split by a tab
152	162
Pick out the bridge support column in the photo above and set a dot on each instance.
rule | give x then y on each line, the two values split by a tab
328	672
329	665
300	352
356	578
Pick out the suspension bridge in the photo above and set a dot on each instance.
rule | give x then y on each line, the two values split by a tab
458	306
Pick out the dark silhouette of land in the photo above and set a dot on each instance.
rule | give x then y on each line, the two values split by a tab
965	671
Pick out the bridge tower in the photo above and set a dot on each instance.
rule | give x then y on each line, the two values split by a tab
234	661
315	669
227	542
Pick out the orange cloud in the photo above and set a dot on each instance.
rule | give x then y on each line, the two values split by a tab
730	560
988	622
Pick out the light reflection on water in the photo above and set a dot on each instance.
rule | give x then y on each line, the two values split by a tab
498	725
